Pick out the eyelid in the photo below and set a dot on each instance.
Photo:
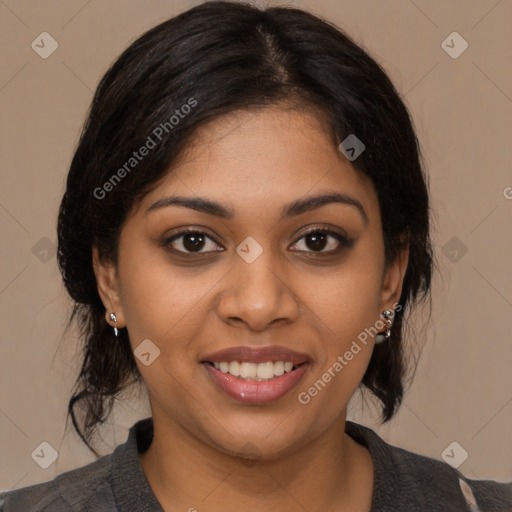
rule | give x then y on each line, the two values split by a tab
324	228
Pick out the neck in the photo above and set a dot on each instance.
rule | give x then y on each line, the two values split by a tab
330	473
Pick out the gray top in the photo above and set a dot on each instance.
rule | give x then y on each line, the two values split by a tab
403	482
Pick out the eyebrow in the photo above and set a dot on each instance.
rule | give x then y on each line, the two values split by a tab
292	209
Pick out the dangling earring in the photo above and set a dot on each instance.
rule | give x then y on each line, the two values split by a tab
388	314
114	319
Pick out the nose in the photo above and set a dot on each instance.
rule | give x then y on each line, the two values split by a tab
258	294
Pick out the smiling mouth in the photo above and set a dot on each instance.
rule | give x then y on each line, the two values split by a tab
256	375
254	383
257	372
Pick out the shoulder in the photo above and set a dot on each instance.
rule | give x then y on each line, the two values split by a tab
435	480
96	487
85	488
491	495
418	482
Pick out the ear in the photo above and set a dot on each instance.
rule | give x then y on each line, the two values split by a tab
108	289
394	276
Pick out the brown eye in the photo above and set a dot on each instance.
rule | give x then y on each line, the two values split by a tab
191	241
318	239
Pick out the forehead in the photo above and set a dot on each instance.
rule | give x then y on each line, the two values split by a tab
263	158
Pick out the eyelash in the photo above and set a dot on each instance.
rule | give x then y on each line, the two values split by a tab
344	242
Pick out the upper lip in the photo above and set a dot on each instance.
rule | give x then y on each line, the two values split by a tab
256	355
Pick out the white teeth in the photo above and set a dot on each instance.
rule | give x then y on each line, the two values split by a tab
265	370
254	371
234	368
248	370
278	368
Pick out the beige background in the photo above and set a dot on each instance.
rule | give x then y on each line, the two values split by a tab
462	111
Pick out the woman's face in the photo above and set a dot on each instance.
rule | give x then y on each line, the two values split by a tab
254	279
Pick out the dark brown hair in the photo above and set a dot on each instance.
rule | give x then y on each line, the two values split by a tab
228	56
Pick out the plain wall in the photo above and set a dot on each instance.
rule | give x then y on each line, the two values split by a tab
462	111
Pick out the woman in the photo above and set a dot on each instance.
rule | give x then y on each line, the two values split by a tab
244	228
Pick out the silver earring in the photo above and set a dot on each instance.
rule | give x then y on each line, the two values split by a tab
388	314
114	319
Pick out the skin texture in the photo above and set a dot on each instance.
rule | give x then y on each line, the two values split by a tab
296	457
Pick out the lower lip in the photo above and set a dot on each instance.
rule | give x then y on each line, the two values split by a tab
256	392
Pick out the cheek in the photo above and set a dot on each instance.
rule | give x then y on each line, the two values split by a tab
348	300
347	305
165	306
160	302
